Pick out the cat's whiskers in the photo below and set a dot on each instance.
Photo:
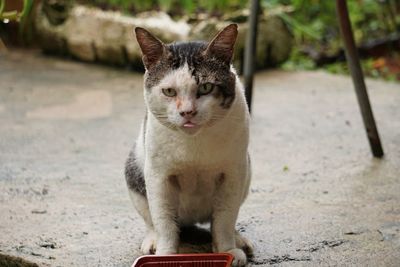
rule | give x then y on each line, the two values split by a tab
227	118
170	125
160	114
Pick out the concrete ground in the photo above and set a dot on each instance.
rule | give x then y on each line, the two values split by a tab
317	198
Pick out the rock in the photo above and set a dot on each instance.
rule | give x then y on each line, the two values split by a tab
90	34
80	31
274	42
50	37
57	11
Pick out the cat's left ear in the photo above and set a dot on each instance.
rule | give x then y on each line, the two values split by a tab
152	48
223	44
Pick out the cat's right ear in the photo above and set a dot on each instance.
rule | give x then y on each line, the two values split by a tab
223	44
152	48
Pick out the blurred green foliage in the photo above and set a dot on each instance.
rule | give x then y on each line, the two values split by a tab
174	7
316	19
315	28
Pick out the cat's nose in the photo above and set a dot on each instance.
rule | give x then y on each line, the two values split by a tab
188	114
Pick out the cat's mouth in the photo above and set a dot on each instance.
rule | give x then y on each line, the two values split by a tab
190	127
189	124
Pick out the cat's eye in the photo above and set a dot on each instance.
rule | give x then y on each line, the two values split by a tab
169	92
205	89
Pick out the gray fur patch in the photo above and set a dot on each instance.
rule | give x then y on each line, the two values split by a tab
134	175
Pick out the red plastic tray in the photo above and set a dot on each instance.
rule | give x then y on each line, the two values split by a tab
185	260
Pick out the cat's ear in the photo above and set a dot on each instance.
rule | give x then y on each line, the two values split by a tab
223	44
152	48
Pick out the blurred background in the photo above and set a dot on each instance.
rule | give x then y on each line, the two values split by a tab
293	34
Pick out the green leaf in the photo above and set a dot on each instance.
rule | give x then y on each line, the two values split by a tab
2	5
27	8
12	15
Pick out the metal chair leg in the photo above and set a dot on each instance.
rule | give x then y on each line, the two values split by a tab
358	78
250	51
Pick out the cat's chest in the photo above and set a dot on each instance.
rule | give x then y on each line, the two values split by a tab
201	153
196	190
195	181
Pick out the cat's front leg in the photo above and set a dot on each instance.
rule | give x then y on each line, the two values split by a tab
226	209
162	204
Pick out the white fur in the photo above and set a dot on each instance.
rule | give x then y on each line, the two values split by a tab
198	193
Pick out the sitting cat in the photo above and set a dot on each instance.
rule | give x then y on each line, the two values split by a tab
190	163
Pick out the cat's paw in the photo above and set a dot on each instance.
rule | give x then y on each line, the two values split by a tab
244	244
166	249
239	258
149	244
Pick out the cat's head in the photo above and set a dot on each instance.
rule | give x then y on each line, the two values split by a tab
189	85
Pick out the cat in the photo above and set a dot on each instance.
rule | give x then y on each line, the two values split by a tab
190	163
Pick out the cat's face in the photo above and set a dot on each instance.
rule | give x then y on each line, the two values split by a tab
189	85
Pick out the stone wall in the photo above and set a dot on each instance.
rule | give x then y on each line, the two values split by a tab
90	34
